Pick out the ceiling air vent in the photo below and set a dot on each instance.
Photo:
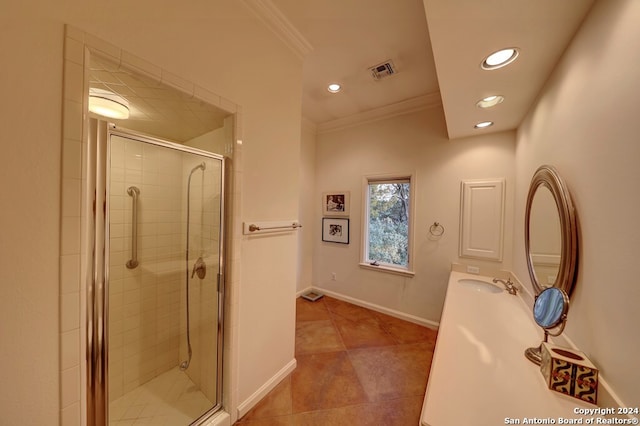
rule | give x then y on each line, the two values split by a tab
383	70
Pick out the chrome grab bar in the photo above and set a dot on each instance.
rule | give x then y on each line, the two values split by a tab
254	228
133	262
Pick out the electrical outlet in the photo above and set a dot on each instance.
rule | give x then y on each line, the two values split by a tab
333	276
473	269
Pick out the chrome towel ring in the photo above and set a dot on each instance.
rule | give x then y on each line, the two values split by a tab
437	230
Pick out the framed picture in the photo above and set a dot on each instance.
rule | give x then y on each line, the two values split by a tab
335	203
335	230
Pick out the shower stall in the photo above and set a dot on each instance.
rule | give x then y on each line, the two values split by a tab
155	306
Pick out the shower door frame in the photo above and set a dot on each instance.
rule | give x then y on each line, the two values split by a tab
97	314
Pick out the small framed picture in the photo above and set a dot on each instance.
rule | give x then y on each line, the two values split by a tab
335	230
335	203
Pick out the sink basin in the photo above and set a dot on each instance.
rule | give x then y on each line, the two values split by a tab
479	285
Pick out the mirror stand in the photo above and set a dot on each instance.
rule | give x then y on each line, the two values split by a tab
535	354
550	312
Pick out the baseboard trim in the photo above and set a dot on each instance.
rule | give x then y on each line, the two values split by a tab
301	292
250	402
391	312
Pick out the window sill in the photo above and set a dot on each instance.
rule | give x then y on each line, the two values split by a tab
389	270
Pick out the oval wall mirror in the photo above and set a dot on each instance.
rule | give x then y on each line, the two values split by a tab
549	311
550	232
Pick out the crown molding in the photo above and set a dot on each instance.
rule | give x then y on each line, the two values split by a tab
308	125
408	106
277	22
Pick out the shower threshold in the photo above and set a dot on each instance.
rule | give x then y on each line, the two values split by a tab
169	399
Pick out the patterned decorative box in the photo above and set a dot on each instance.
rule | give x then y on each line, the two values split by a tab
569	372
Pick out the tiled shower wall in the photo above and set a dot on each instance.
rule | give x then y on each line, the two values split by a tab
144	302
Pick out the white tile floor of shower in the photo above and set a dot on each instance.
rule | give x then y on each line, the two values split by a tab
170	399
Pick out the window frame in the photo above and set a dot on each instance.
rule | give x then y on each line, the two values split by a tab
365	262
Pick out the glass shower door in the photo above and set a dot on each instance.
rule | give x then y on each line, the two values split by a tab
164	341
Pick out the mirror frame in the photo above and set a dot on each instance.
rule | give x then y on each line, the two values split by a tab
548	177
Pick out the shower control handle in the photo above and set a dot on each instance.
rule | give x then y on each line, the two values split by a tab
199	268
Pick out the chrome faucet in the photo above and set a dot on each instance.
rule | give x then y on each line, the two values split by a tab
511	288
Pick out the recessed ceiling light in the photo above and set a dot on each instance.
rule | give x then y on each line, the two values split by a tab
108	104
334	88
483	124
490	101
500	58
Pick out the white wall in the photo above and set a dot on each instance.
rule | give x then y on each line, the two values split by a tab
586	124
309	205
30	219
411	143
214	44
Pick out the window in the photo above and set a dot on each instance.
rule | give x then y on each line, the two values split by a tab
387	224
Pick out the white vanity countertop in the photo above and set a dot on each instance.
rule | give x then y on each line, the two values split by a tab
479	375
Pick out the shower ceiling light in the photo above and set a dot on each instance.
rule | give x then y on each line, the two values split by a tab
108	104
500	58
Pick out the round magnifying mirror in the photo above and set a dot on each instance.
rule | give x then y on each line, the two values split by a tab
551	307
549	311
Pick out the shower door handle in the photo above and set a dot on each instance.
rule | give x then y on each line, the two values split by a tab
199	268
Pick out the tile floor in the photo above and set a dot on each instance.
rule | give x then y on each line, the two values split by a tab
169	399
355	367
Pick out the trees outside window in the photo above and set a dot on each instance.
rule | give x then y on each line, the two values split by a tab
387	221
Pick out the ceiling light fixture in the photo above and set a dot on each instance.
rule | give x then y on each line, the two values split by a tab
483	124
500	58
334	88
490	101
108	104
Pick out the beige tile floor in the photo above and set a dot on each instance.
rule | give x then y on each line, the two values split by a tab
355	367
170	399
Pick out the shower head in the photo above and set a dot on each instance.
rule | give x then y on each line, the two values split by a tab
202	166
